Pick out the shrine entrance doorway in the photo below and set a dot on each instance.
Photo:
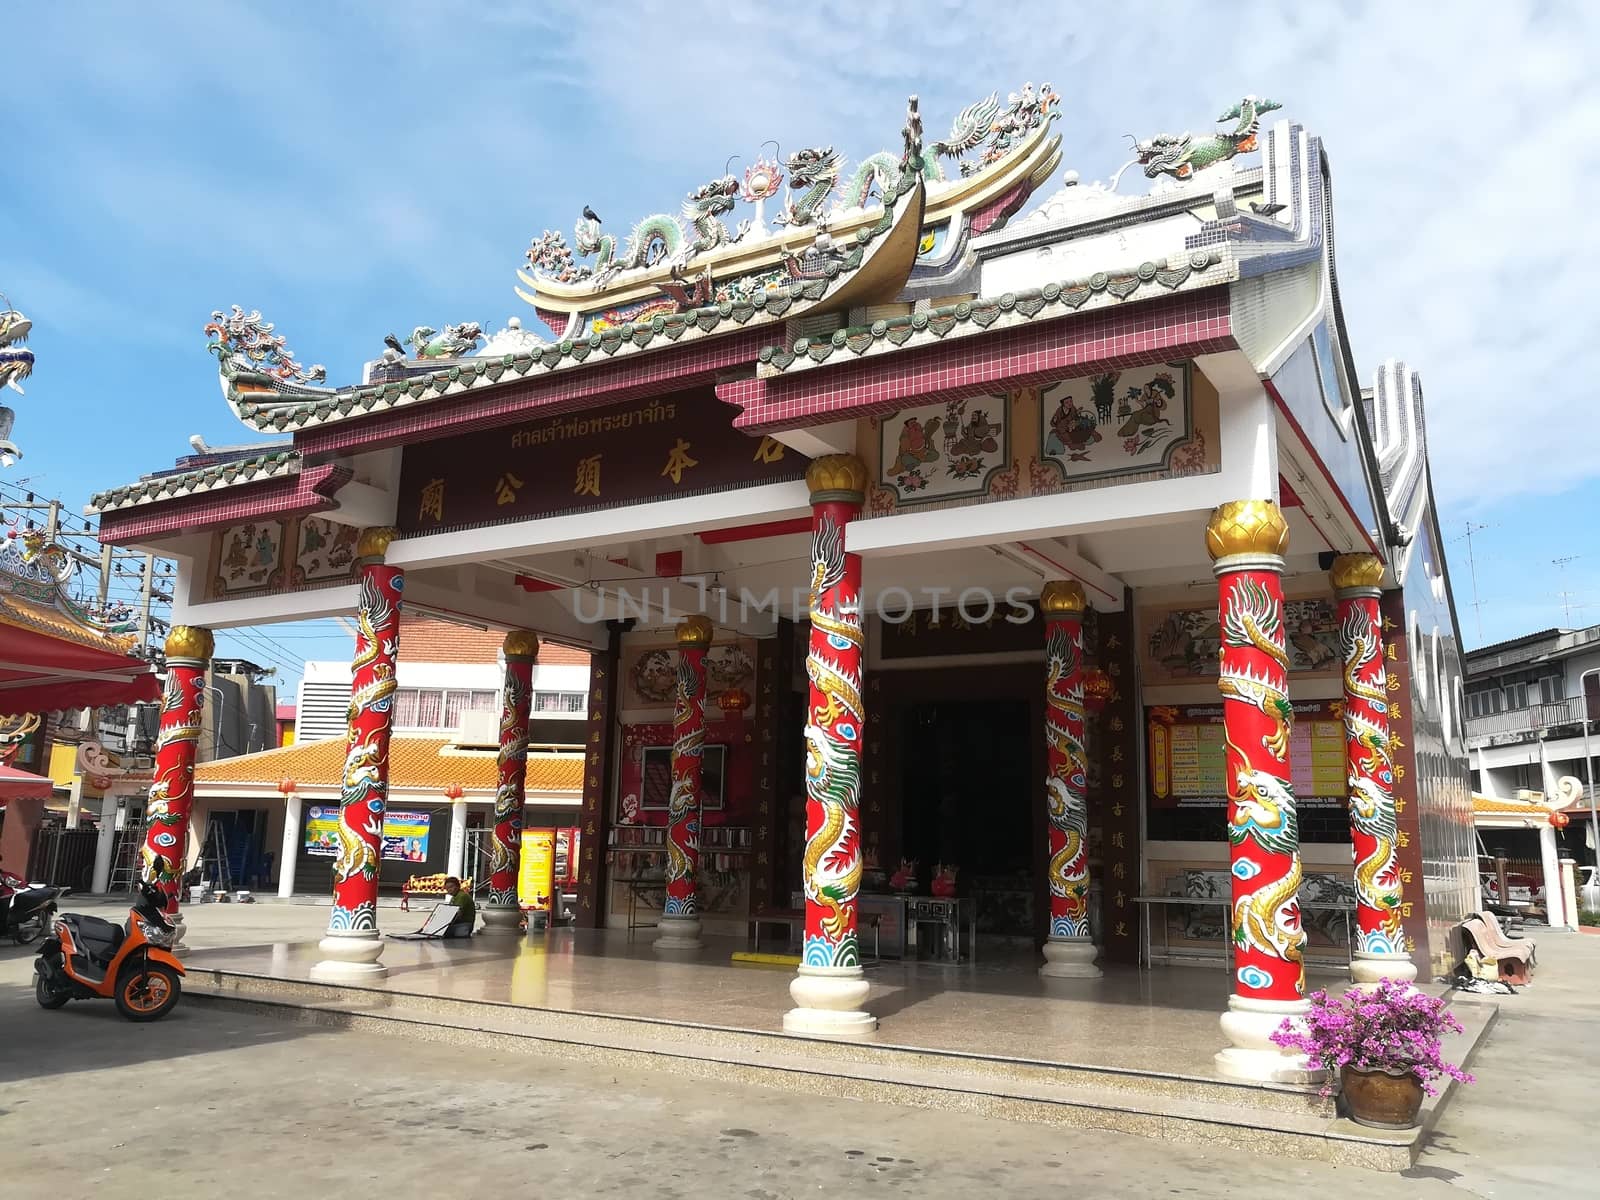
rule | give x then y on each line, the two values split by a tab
959	783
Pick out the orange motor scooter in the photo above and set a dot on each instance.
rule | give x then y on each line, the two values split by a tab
86	958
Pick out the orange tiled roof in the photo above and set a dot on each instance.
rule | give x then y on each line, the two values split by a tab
37	618
1494	806
414	763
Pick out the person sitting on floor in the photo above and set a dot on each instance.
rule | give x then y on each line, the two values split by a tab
466	917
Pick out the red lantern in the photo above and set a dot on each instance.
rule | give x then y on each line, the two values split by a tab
286	786
1559	820
1097	689
454	792
734	700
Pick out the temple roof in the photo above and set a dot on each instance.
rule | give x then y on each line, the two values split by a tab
189	483
415	763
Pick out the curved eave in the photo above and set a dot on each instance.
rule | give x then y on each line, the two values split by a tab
1032	162
1195	270
885	264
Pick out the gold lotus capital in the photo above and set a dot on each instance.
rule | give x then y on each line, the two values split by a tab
1062	598
1247	527
1356	571
837	477
374	542
190	641
693	632
521	643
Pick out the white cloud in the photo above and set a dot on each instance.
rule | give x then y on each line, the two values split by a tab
1457	143
383	164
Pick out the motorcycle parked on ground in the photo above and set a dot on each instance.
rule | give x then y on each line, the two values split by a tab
26	908
86	958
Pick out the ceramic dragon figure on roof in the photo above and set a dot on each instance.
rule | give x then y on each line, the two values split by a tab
1180	155
454	342
814	172
703	210
16	360
244	342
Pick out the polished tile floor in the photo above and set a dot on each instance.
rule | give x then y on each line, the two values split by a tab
1163	1019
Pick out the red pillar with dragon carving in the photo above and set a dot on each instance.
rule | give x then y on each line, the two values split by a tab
830	987
1247	540
166	841
1380	950
353	944
680	913
1069	952
503	912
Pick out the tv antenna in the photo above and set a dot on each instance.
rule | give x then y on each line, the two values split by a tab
1560	564
1472	568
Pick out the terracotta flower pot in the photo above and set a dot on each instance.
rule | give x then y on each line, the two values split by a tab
1381	1099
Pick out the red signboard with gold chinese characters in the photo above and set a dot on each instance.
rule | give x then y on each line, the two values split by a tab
678	445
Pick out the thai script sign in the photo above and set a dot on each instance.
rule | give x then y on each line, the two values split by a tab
538	874
629	453
405	834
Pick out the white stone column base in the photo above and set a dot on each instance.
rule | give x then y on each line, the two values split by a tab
1254	1056
830	1000
350	958
500	920
678	933
179	928
1367	970
1070	958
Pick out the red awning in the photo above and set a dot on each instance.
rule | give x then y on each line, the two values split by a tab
42	671
23	785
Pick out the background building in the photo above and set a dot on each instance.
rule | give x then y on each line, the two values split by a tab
1526	706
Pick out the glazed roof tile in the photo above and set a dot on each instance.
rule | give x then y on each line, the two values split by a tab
1493	805
189	483
415	764
38	618
970	317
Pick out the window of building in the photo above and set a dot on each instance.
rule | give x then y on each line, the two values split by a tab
436	708
1552	688
1516	696
560	702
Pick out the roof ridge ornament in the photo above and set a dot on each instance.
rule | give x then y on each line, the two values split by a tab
245	344
814	178
1180	155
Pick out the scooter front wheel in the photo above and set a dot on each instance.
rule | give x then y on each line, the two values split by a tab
49	995
147	993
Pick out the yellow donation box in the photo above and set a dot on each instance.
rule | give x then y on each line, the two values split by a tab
537	879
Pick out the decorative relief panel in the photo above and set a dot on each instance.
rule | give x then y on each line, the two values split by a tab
944	451
248	559
259	557
1181	642
651	673
1120	427
325	550
1117	423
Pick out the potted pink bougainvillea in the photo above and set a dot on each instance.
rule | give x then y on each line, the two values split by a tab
1382	1048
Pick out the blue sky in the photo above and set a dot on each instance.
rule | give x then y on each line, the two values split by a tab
356	168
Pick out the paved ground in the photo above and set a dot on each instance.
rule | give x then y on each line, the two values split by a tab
212	1103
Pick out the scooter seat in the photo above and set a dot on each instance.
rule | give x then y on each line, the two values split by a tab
97	938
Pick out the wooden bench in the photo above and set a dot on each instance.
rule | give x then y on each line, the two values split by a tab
426	885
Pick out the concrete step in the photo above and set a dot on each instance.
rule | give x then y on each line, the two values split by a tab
746	1045
1276	1120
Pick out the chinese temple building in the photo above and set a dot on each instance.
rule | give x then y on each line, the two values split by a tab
952	545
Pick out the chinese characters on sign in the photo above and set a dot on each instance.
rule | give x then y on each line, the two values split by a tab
623	454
